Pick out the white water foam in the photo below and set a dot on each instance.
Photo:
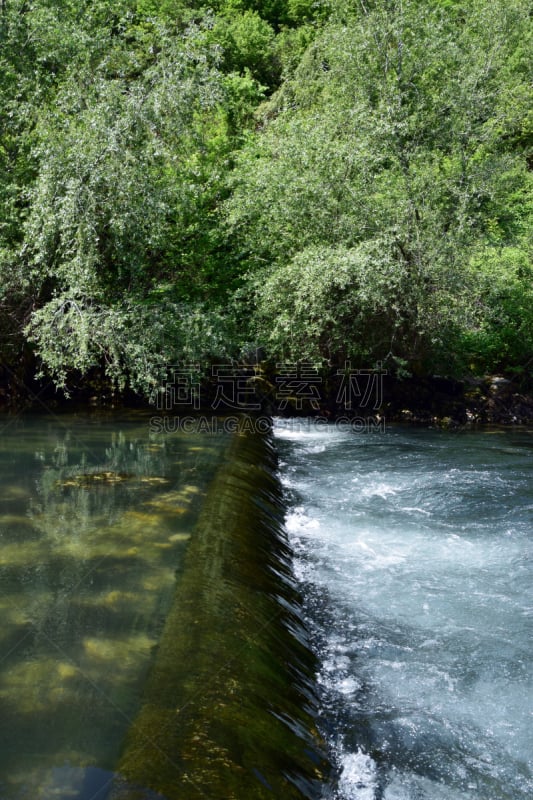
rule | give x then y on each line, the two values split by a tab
358	778
416	545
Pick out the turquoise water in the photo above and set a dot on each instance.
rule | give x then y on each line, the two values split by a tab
95	516
414	550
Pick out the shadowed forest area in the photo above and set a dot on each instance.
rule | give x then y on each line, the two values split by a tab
187	182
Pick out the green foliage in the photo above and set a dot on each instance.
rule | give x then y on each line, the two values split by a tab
503	334
123	165
291	44
328	180
247	44
133	342
277	13
331	302
119	169
274	11
394	136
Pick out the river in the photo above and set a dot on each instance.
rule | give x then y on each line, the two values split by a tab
413	548
154	586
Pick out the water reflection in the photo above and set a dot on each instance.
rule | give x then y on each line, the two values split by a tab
94	521
85	783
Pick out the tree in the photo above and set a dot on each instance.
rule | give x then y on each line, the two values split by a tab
391	138
122	166
347	180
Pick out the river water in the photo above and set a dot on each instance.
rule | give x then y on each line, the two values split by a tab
413	548
95	518
128	555
151	645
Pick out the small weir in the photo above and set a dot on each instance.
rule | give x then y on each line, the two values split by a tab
229	707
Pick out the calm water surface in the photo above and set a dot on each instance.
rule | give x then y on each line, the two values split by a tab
95	514
414	549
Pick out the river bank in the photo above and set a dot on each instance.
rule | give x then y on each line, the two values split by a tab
302	390
492	400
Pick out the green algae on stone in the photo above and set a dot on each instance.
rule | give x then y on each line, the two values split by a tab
229	708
